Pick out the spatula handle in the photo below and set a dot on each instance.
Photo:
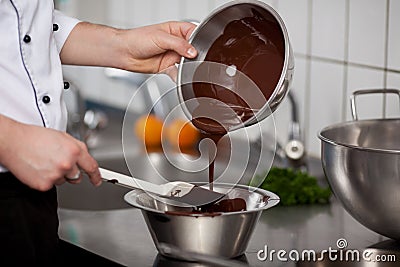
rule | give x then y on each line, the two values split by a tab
130	182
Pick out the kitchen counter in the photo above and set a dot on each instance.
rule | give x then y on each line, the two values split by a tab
99	221
121	235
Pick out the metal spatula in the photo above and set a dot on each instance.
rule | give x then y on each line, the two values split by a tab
178	192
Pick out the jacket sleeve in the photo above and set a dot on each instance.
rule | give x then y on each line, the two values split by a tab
65	25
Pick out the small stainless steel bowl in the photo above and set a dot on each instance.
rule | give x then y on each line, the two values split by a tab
221	234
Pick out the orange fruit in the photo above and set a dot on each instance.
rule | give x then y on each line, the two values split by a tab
148	128
181	133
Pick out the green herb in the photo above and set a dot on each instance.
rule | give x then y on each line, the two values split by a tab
294	187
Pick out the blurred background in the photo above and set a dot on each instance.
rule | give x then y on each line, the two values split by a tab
340	46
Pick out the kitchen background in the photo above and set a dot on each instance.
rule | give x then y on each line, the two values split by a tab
339	45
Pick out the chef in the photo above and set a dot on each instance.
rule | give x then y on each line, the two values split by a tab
35	152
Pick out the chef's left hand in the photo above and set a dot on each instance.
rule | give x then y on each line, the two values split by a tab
148	49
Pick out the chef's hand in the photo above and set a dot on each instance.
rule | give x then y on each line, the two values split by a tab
148	49
42	157
160	46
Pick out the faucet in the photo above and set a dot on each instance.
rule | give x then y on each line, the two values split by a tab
293	153
294	149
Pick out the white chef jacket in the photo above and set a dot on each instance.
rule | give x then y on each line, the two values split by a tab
32	34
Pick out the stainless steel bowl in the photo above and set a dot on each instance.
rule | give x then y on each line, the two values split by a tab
361	160
223	235
213	26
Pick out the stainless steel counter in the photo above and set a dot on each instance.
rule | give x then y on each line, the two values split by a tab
122	236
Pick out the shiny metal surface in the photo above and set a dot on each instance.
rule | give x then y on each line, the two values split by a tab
210	29
198	258
361	161
221	234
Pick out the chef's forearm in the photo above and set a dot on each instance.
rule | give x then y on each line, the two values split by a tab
147	49
93	45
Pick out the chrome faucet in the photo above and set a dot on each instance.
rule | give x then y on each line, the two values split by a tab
294	149
292	154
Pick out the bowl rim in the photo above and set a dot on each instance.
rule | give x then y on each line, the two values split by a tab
323	138
272	201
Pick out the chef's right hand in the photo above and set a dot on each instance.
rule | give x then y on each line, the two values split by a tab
42	157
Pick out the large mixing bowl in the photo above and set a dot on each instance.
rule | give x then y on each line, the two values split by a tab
361	160
218	234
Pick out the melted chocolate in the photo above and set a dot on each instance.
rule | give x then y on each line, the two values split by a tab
216	209
226	205
215	138
255	47
224	97
194	212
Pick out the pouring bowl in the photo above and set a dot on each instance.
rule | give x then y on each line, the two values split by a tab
211	29
220	234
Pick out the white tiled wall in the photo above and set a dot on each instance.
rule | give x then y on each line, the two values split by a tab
367	32
394	33
329	28
325	101
339	45
297	22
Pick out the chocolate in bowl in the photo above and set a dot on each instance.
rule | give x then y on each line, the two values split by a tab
244	61
202	232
